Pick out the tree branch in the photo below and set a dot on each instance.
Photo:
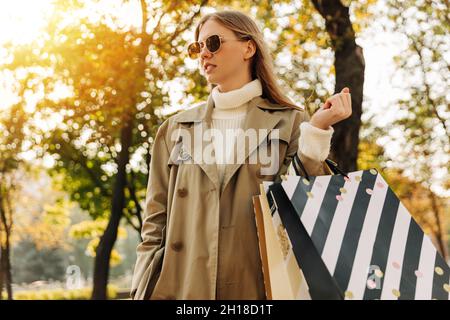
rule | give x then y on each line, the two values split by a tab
189	22
130	222
430	100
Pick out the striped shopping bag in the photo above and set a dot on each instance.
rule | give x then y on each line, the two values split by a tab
353	239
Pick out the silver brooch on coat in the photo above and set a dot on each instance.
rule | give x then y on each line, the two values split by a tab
183	155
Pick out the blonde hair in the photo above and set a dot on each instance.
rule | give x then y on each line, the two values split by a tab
262	64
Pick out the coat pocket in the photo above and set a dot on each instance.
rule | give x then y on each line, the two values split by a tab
152	272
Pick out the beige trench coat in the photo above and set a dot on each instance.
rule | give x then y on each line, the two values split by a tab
200	239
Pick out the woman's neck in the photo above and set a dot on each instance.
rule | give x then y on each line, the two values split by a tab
235	98
234	84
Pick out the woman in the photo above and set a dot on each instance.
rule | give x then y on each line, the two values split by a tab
199	233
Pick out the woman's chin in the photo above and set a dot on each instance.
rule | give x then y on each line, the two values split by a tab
211	79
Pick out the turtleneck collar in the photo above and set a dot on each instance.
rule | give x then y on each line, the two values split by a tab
238	97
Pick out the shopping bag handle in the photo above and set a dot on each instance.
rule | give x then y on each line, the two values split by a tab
335	168
331	164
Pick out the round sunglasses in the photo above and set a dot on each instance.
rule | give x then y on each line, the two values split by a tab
212	43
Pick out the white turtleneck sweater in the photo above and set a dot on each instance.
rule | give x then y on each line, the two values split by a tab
229	114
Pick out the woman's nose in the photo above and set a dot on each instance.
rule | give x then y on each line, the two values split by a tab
204	52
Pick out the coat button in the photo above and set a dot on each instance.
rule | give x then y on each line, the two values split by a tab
182	192
177	246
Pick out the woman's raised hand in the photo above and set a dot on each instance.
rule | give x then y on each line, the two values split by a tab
336	108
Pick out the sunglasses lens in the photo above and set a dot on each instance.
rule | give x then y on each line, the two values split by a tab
213	43
193	50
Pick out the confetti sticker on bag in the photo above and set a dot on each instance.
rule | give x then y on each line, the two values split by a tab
379	273
305	181
439	271
447	287
349	294
396	293
339	197
342	190
371	284
357	178
373	171
369	191
418	274
310	195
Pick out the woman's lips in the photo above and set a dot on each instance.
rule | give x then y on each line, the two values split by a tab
209	68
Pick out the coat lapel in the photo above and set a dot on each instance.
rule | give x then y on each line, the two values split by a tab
196	122
257	119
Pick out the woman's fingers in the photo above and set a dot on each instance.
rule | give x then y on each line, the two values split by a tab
340	103
336	108
348	98
327	104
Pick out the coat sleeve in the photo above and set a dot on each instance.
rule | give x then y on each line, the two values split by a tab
150	250
294	156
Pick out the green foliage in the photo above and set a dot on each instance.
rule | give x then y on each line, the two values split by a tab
61	294
423	110
93	230
31	264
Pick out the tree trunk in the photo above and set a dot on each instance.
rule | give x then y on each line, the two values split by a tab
349	65
1	269
2	272
106	244
5	261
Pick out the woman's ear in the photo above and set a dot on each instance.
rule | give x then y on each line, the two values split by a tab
250	50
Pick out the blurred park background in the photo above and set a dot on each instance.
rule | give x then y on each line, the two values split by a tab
84	86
